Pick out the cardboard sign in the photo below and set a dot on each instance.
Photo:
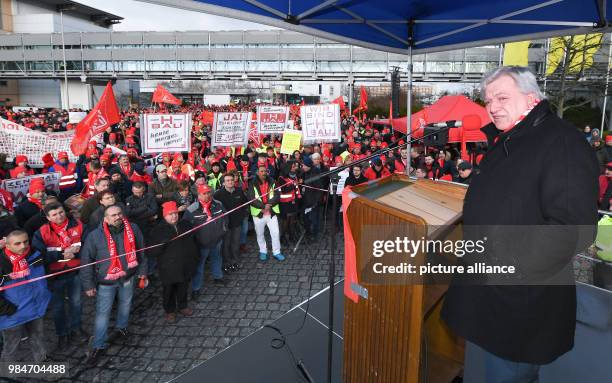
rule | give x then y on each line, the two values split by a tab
231	129
16	139
272	119
76	117
161	133
18	187
320	123
292	140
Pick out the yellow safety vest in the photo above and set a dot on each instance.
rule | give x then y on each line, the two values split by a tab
255	211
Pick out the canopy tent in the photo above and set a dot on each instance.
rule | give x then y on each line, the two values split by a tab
445	109
415	25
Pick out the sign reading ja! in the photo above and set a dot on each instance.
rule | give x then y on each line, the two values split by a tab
162	133
320	123
231	129
272	119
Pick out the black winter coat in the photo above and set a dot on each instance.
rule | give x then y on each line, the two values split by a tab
542	172
176	259
210	234
231	201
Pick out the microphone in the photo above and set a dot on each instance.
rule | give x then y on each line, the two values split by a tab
446	124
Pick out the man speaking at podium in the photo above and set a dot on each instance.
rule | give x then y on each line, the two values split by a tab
538	176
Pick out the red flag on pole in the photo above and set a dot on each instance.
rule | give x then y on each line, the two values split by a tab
340	102
162	96
100	118
390	110
363	101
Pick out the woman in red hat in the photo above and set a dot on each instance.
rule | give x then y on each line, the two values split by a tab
21	161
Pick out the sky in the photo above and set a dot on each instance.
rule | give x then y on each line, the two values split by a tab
139	16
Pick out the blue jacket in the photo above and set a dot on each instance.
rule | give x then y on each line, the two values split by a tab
31	299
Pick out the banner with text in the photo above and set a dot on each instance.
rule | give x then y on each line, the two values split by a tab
165	133
320	123
231	129
16	139
18	187
272	119
292	140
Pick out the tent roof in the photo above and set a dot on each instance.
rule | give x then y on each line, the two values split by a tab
434	25
445	109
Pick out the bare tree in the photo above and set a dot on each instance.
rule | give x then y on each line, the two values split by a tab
580	74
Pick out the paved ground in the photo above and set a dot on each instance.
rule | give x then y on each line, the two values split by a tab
157	352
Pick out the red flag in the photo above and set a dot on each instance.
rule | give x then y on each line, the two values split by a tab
162	96
363	101
390	110
340	101
100	118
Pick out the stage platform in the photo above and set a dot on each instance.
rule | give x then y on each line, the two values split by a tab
254	360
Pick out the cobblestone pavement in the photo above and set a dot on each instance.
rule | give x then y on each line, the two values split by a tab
155	351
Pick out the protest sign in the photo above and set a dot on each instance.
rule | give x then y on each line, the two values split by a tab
320	123
231	129
18	187
272	119
161	133
76	117
16	139
292	140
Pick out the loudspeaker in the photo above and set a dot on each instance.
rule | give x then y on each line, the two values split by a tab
439	137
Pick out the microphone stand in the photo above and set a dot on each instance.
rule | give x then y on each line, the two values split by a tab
333	174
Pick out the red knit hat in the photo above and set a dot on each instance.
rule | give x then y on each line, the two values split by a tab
36	185
105	157
47	159
62	155
20	158
203	189
169	207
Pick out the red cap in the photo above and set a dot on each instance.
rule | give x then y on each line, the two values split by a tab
169	207
609	138
47	158
36	185
90	152
132	151
62	155
105	157
203	189
20	158
20	169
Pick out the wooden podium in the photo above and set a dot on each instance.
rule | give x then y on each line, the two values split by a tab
395	334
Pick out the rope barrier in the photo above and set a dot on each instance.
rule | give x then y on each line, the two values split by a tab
26	281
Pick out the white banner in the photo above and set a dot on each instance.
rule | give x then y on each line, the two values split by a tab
231	129
16	139
320	123
25	108
160	133
18	187
272	119
76	117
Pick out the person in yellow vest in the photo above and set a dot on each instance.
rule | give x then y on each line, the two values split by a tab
215	177
265	210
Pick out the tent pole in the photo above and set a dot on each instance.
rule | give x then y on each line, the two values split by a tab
409	109
605	101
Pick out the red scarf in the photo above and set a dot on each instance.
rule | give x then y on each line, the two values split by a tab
126	169
20	263
115	271
263	188
62	233
206	207
36	202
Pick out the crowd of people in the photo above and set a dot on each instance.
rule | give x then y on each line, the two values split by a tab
168	218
